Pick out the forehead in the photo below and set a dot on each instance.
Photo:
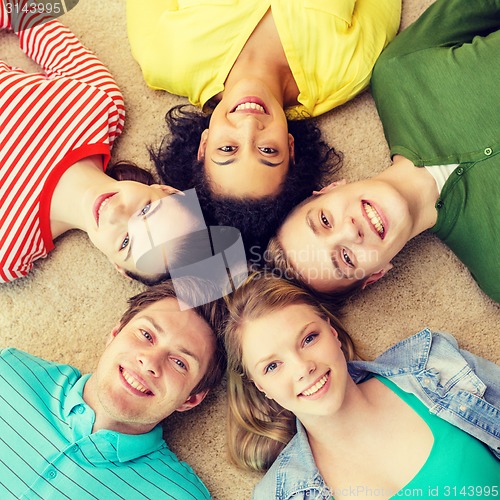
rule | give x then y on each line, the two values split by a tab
286	324
179	326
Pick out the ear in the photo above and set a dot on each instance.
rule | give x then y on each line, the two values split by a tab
122	271
113	334
376	276
330	186
168	189
192	401
334	332
291	147
203	145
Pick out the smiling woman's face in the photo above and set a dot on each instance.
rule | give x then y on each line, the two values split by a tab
112	229
301	365
247	148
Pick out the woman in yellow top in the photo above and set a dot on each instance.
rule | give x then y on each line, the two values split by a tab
255	64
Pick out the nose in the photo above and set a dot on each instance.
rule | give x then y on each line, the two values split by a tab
120	213
349	230
304	367
149	362
248	122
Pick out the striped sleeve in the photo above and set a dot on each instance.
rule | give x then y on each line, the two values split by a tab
59	52
48	121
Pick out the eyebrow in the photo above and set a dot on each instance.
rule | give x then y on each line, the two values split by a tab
311	223
181	349
261	160
271	356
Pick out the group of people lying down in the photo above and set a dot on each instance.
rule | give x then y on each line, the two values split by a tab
303	406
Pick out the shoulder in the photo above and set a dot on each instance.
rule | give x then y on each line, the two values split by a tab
293	474
29	368
414	354
175	476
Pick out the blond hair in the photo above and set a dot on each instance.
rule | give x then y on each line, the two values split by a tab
259	428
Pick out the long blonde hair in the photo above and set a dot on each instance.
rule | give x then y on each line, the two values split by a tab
259	428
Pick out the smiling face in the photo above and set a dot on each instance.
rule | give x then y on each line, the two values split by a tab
301	365
109	220
347	234
247	148
150	367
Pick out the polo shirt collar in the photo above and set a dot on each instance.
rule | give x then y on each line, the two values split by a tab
113	446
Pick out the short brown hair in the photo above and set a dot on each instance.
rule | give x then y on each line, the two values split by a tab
189	290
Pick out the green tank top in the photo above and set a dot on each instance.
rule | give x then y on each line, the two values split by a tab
458	465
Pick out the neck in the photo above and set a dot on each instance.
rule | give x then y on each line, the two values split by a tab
351	426
269	67
418	187
70	201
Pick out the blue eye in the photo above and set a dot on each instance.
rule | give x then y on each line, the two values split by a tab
145	210
125	242
270	367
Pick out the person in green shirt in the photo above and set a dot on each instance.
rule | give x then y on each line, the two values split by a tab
435	88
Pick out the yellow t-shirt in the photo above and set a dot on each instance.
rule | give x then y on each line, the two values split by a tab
188	47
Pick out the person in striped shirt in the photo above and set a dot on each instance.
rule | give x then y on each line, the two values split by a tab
64	435
57	128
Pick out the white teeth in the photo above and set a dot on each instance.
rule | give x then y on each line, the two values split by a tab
317	386
250	105
134	383
374	218
103	204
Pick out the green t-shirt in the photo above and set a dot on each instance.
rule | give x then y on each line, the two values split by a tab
458	465
436	91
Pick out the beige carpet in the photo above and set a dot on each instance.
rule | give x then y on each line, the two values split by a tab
68	305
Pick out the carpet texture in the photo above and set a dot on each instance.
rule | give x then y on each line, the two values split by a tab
68	305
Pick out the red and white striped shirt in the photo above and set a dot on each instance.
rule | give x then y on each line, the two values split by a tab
48	121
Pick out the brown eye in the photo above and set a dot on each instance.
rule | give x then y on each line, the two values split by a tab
227	149
268	151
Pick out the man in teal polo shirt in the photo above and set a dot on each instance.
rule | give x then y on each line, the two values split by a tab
64	435
436	91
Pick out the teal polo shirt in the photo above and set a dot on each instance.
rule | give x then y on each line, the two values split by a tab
436	91
48	450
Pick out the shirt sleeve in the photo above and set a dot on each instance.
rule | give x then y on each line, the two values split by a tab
59	52
447	22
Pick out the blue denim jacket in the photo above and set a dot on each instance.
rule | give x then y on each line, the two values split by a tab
455	385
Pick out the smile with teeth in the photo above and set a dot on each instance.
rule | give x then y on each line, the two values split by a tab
134	382
253	106
375	218
101	208
317	386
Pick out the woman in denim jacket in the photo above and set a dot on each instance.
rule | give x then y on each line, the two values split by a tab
423	419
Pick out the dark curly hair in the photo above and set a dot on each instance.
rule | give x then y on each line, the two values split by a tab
257	219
